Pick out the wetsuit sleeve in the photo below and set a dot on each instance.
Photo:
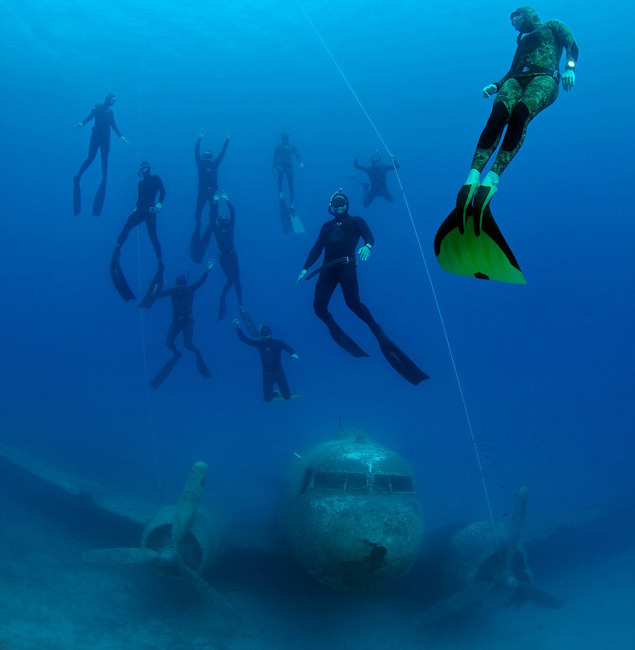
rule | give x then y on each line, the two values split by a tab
245	340
232	212
276	155
89	117
317	249
222	153
565	37
161	189
364	231
114	125
358	166
297	155
286	348
165	292
197	150
199	283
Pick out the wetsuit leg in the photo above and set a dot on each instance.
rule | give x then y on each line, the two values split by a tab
201	199
350	289
98	202
133	220
227	264
188	334
93	147
386	194
283	385
539	93
151	225
173	332
280	177
327	281
504	103
267	385
291	188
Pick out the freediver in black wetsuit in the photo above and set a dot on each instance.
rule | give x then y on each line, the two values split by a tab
207	186
99	140
338	239
223	228
145	210
377	179
270	352
182	295
283	164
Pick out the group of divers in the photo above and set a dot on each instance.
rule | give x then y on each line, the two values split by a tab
467	242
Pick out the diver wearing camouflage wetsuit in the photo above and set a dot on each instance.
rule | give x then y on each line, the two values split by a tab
529	87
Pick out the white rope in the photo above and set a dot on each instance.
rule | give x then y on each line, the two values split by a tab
427	270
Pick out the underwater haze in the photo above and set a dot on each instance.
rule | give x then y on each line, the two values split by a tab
545	398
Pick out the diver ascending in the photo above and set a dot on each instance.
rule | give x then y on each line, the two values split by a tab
377	173
207	185
530	86
145	209
182	295
270	350
99	140
338	239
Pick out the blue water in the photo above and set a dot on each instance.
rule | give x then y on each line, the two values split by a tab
546	368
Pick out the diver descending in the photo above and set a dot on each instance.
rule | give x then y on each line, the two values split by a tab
338	239
283	165
377	173
146	210
182	295
223	228
207	185
530	86
270	350
99	140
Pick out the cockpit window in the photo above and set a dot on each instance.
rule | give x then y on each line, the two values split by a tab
356	482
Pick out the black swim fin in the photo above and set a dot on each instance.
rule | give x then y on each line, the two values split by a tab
222	308
77	196
154	289
119	279
400	361
201	367
98	203
161	376
285	217
345	341
199	244
249	324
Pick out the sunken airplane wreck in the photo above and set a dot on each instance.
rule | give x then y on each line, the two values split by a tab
350	516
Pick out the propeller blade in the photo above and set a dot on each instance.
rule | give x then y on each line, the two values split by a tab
456	602
186	509
208	593
120	556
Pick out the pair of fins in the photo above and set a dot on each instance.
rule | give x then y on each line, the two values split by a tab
98	202
395	356
124	290
470	243
162	375
289	219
